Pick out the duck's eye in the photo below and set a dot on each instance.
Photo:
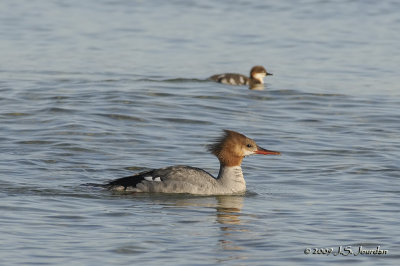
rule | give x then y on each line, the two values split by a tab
249	145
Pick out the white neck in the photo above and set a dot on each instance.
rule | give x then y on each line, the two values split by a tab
232	178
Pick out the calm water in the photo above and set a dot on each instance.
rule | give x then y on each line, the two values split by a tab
96	90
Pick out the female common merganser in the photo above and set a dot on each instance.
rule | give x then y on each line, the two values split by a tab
230	150
257	74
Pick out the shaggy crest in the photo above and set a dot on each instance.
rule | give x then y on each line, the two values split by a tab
227	148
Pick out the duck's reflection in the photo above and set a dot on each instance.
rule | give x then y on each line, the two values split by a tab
228	208
227	214
228	211
257	87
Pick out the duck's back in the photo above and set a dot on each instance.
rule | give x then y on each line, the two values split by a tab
230	78
173	179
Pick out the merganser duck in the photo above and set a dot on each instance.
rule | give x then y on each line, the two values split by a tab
230	149
257	74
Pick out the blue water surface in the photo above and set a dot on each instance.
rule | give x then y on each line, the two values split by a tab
96	90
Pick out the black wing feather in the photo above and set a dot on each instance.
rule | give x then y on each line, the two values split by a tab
130	181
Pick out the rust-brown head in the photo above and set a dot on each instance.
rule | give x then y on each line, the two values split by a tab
258	73
232	147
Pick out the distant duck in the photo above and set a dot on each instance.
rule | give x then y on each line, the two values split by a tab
257	74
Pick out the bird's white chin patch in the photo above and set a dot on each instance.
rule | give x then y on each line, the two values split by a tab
246	153
259	77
